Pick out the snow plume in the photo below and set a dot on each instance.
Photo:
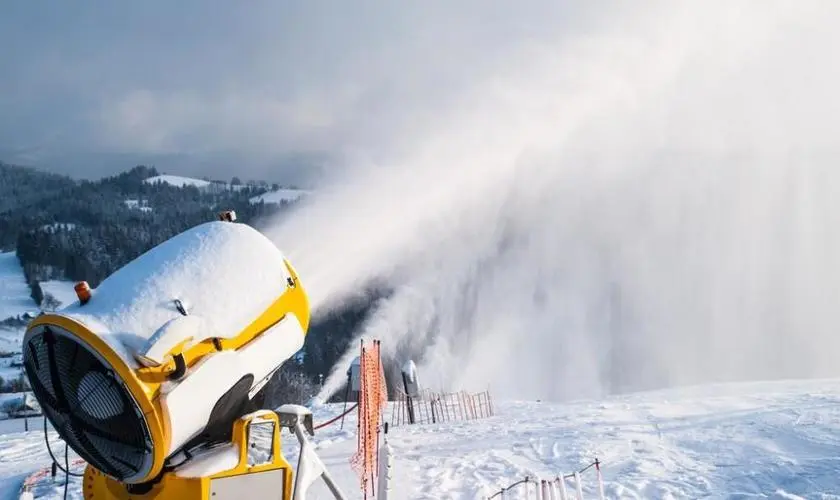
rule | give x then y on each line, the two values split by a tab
647	199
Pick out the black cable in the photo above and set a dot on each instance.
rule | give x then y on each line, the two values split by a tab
572	475
63	469
67	467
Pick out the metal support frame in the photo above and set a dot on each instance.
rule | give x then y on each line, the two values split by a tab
310	467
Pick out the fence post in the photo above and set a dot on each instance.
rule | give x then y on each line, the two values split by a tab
578	487
445	405
538	489
385	470
527	487
564	495
552	490
396	411
600	479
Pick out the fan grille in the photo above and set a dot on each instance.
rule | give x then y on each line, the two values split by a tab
87	404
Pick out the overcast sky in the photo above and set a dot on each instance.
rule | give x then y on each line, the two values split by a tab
198	84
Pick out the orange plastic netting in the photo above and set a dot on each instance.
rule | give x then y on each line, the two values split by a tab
373	396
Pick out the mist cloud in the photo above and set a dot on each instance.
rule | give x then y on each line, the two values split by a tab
643	204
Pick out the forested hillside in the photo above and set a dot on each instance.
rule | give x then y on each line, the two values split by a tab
84	230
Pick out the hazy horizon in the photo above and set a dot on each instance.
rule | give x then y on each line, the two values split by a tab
276	89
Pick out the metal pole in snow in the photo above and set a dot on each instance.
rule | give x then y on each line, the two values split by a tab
308	461
346	397
409	405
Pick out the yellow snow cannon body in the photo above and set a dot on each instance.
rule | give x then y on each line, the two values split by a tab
154	377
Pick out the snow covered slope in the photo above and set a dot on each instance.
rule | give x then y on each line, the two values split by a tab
760	440
14	292
178	181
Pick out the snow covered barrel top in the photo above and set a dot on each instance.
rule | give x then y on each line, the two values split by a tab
200	321
225	274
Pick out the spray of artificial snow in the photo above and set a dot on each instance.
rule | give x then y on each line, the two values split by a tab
648	201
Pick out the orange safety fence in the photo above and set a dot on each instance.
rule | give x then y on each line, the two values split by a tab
373	397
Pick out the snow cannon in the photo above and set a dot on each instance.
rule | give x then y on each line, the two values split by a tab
154	377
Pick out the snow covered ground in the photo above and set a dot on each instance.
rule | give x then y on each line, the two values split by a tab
11	365
10	342
758	440
14	292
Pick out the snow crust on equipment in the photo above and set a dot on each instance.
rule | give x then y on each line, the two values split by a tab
174	331
226	274
223	458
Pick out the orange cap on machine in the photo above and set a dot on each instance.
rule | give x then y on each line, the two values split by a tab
82	292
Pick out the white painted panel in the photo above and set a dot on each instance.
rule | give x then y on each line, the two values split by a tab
267	485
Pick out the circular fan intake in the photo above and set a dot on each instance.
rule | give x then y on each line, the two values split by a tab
87	404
